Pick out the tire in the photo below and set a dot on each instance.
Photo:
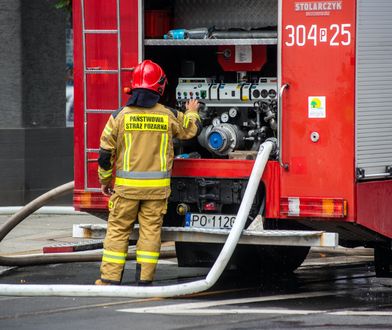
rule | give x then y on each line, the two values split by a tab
270	259
382	261
249	259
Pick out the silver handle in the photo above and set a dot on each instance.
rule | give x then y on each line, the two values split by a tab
280	117
376	175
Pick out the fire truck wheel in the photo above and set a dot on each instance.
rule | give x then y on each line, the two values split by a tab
382	261
269	259
249	259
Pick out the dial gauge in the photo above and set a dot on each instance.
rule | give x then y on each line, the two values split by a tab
224	117
216	121
233	112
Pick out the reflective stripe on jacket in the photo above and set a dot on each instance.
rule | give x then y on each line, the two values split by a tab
139	142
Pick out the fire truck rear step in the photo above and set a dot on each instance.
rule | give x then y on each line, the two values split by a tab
201	235
263	237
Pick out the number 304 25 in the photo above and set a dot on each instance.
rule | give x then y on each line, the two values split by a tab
334	35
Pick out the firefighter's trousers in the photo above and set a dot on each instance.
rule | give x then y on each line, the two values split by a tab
122	216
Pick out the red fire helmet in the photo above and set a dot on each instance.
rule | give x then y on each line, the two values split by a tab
149	75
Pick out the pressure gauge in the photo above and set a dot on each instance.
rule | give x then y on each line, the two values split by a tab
224	117
272	93
233	112
216	121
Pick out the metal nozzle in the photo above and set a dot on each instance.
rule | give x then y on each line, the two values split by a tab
182	209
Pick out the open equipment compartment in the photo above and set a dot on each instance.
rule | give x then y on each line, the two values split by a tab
224	57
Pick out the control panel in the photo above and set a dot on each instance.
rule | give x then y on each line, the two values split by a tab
222	94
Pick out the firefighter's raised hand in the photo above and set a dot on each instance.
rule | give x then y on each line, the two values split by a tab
107	190
192	105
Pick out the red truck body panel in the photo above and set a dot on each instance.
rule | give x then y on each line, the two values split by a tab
374	206
318	63
326	69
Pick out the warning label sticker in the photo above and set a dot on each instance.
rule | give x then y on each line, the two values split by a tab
146	122
317	107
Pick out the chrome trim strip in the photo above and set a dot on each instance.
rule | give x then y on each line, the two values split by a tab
84	95
142	175
280	84
119	52
210	42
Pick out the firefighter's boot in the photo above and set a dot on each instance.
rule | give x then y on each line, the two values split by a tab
138	281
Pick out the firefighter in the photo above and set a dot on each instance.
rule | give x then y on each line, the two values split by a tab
138	142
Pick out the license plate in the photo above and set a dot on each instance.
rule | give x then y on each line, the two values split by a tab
212	221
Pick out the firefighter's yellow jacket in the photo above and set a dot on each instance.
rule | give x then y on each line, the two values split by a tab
138	143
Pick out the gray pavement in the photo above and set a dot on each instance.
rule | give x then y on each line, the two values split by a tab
38	231
41	230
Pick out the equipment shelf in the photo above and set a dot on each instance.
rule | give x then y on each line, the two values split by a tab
210	42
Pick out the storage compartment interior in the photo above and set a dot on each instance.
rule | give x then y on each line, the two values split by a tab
222	53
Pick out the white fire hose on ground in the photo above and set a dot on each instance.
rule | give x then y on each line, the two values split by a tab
170	290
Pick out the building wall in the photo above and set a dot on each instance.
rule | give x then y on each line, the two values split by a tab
10	68
48	161
43	64
12	165
36	147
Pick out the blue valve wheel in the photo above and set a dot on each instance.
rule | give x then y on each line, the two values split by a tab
216	140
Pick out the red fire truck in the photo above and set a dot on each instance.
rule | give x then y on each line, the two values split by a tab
314	74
